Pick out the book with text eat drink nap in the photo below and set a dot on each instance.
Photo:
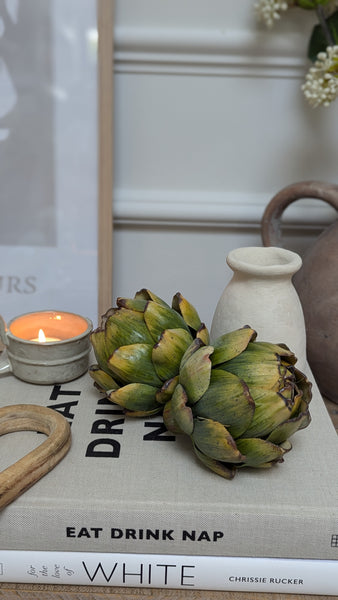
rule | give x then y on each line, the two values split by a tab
127	486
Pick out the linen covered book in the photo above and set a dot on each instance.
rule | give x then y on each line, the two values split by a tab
129	486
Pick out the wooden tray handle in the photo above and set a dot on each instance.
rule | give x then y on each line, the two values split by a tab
20	476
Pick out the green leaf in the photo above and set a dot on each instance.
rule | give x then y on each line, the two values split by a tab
164	394
169	420
195	373
318	41
125	327
168	352
232	344
311	4
259	452
187	310
149	295
227	471
159	317
213	440
98	341
181	413
228	401
133	364
139	399
103	381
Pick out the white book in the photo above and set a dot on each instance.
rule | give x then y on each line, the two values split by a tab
176	572
128	486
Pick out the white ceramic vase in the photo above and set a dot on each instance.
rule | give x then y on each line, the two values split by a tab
261	294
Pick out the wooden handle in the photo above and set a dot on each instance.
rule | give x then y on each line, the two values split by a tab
20	476
303	189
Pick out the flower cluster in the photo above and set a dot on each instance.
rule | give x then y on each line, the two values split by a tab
321	85
321	82
268	11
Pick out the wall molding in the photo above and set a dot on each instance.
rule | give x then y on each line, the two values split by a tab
182	208
208	52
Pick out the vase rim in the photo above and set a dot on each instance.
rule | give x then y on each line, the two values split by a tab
261	260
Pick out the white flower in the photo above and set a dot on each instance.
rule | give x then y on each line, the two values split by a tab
321	82
269	11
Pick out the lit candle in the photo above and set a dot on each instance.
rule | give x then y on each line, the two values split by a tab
42	338
48	326
58	353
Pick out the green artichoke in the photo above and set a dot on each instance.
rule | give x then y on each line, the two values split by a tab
139	347
239	401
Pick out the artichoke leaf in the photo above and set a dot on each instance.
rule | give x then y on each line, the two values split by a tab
158	318
255	371
181	413
103	381
187	311
168	352
145	294
220	468
133	364
169	419
194	346
126	327
232	344
164	394
195	373
285	430
136	398
258	452
213	440
272	409
136	305
98	341
203	334
228	401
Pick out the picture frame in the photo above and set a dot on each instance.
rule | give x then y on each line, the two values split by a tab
56	156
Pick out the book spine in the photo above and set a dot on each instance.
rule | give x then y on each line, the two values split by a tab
297	576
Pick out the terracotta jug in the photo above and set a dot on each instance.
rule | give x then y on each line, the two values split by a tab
316	282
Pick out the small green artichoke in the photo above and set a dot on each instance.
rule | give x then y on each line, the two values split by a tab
139	347
239	401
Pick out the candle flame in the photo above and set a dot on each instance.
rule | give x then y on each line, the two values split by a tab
41	336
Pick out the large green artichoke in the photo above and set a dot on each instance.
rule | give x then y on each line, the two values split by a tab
139	347
239	401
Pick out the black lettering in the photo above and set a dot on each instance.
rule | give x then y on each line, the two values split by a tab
113	453
56	392
184	576
96	531
204	536
105	426
166	567
217	535
152	534
83	532
159	434
131	534
97	570
109	411
125	574
189	535
167	535
70	532
64	409
116	533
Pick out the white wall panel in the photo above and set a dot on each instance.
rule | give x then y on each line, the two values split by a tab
210	122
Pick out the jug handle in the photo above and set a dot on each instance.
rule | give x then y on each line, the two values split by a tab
270	225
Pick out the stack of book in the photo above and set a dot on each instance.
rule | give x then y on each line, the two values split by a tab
129	505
